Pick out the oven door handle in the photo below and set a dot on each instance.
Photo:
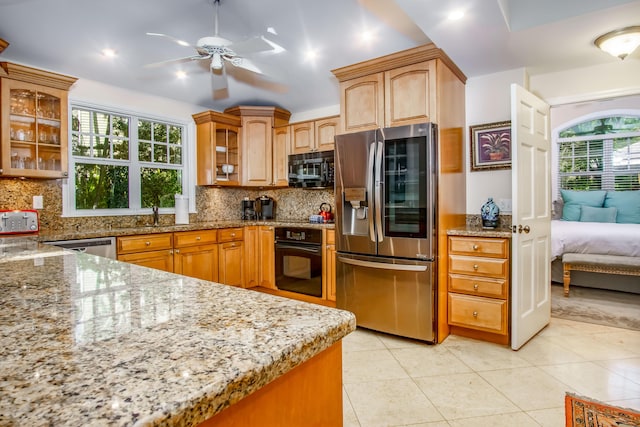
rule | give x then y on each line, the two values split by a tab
312	250
382	265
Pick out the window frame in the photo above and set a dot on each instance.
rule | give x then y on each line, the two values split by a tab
556	140
135	208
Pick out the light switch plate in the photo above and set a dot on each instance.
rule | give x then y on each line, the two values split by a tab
37	202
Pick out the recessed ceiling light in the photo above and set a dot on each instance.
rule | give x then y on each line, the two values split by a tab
367	36
109	53
181	74
456	15
272	31
311	54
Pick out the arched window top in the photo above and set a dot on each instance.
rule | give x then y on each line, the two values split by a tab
603	126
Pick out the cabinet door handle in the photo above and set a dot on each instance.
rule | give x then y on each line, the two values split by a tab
475	266
475	286
177	251
475	314
147	243
475	247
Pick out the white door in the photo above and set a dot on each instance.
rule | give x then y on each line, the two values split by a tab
531	210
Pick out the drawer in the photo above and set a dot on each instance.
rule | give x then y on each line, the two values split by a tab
493	247
192	238
481	286
144	242
230	234
492	267
484	314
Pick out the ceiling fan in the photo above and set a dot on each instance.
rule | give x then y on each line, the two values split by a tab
221	51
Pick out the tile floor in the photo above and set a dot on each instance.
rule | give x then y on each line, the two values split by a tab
390	381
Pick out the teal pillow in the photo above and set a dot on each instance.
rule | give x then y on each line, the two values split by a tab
574	199
627	203
589	214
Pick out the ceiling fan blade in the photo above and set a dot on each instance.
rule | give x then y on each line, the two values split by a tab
247	65
176	60
392	15
219	79
252	45
180	42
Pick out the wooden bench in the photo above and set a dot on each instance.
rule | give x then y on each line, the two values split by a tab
594	263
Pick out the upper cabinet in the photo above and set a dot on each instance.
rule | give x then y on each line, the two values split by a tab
218	149
395	90
33	122
264	159
317	135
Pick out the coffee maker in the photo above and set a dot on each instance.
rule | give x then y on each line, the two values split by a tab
249	209
265	207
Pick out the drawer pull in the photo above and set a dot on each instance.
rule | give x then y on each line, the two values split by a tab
197	237
475	314
233	234
147	243
475	267
475	247
475	286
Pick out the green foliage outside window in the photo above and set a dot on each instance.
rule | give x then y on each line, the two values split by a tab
104	183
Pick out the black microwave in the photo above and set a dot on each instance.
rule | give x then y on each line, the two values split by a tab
311	170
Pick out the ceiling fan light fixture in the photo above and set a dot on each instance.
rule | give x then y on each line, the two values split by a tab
620	43
216	61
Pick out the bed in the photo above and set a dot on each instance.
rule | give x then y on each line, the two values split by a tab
595	238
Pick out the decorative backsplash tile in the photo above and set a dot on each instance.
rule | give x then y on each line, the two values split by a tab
212	203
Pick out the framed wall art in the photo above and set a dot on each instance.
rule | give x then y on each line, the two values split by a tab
490	146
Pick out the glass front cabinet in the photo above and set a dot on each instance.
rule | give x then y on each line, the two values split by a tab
33	122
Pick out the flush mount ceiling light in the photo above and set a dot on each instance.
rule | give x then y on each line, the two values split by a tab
620	43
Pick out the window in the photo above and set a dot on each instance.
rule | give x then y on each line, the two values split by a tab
122	163
600	154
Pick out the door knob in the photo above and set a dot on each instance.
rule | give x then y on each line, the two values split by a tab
526	229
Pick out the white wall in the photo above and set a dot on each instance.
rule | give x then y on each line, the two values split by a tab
488	100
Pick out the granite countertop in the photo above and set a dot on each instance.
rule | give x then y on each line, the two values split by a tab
87	340
114	231
478	231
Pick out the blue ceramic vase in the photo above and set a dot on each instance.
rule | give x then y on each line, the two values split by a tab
489	212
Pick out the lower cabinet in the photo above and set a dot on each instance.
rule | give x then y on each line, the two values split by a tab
147	250
231	256
329	264
478	287
267	254
196	254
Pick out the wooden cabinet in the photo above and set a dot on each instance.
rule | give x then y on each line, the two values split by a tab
262	162
395	90
196	254
231	256
266	240
317	135
281	138
33	122
218	155
148	250
251	256
329	265
478	285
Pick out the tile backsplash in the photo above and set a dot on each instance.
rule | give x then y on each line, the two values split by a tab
212	204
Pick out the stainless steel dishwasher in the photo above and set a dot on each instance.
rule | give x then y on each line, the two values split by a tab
101	246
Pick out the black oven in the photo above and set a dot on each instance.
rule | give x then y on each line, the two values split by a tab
299	260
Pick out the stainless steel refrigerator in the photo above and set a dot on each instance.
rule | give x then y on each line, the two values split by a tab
385	187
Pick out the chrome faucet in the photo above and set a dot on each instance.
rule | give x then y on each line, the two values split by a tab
156	217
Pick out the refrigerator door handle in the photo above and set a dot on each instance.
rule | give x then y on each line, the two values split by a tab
370	188
382	265
378	191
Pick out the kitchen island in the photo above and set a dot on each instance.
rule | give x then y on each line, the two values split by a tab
92	341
